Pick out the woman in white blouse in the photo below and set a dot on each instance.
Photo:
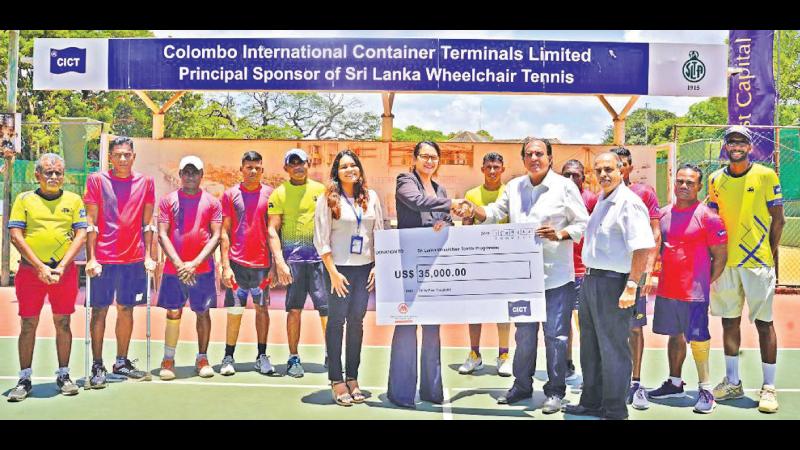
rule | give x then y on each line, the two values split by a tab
344	225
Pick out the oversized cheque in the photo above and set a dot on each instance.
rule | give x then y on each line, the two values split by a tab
476	274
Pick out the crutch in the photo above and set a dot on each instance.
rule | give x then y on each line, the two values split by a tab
88	339
148	376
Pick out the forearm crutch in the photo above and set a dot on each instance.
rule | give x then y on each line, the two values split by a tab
148	376
88	339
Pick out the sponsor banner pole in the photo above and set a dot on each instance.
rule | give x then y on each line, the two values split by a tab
751	92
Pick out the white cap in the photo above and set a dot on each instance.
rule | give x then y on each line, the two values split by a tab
191	159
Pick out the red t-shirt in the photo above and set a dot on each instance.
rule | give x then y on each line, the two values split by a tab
590	200
120	206
648	196
248	234
685	258
189	218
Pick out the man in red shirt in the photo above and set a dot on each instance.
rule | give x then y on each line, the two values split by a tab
246	259
637	396
693	256
189	226
574	170
119	209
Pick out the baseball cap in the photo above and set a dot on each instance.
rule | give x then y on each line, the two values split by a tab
295	152
193	160
738	129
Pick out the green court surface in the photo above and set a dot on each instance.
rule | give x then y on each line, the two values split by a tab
249	395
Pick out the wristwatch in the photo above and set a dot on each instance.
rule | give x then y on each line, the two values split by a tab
631	284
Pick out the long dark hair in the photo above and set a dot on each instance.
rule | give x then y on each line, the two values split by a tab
334	190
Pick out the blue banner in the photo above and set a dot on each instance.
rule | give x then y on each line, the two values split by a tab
410	65
751	92
70	59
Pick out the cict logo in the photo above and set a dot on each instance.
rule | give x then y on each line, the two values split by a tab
694	70
70	59
402	308
519	308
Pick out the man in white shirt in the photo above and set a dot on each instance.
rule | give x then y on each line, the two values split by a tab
617	242
554	203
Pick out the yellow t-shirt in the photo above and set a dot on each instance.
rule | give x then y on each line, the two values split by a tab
297	205
49	225
742	202
482	197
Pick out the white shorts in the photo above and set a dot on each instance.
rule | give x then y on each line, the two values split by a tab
756	285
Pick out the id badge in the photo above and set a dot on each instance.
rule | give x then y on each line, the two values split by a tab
356	245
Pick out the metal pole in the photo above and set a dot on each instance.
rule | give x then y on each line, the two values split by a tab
13	59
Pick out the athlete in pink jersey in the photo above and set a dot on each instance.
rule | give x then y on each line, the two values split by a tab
119	206
692	257
246	260
637	396
189	227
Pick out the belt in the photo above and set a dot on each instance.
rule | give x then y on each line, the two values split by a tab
605	273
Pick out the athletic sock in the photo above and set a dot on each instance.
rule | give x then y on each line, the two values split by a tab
200	356
169	352
769	373
63	371
476	349
732	369
635	381
26	373
120	361
676	381
262	350
704	386
229	349
97	362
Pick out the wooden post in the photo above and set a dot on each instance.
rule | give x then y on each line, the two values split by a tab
387	118
158	112
13	72
619	118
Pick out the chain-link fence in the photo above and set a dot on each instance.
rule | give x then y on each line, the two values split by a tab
702	145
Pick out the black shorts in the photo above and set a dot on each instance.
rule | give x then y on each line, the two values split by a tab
308	279
252	282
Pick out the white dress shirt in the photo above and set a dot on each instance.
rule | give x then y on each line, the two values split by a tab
619	225
557	202
335	235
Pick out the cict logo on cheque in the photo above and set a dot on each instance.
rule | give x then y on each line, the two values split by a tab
70	59
402	308
694	70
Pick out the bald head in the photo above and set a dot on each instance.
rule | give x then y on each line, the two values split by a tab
607	167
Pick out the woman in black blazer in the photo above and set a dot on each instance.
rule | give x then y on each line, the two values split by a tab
420	202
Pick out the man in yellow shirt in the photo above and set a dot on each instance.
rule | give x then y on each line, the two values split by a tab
749	200
48	227
482	195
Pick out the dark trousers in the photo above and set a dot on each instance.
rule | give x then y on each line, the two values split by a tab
349	309
403	366
559	303
605	355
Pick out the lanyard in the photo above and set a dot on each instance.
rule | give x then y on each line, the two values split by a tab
356	211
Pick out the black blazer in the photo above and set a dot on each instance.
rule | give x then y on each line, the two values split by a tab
414	209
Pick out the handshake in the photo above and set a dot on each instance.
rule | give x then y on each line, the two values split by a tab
464	209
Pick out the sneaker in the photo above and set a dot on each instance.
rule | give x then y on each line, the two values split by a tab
203	368
768	403
572	375
98	379
167	371
65	385
226	366
705	402
473	363
639	400
21	390
725	390
667	390
294	368
552	404
504	365
128	369
263	365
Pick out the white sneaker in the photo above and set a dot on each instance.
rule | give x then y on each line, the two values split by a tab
226	366
473	363
504	365
264	366
640	400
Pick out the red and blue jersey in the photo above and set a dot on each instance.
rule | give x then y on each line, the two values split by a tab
189	218
248	234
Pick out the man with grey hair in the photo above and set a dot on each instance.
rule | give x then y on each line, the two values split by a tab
48	228
616	245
